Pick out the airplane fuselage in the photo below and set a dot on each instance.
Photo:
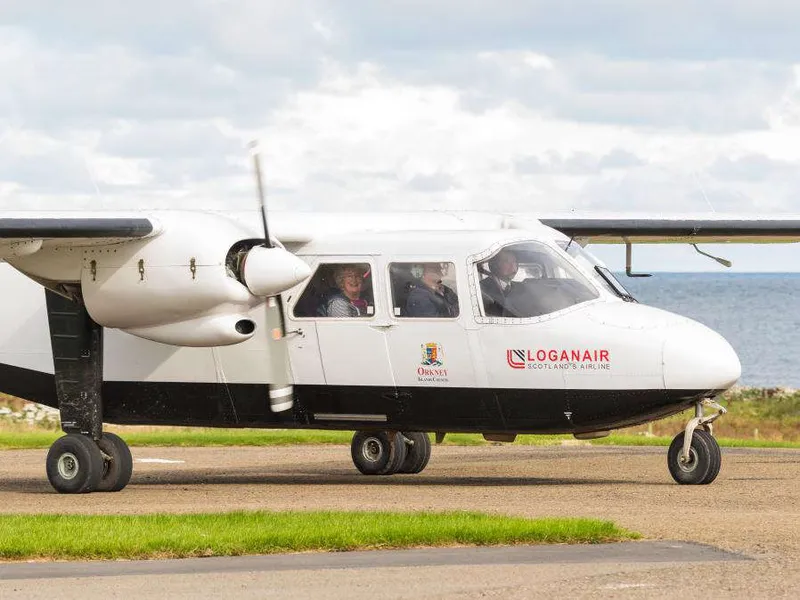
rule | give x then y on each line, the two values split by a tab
568	356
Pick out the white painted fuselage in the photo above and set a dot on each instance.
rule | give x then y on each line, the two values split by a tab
177	283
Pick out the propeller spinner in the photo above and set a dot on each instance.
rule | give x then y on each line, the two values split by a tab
269	270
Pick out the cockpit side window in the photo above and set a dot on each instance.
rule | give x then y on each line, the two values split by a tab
342	290
424	290
530	279
599	271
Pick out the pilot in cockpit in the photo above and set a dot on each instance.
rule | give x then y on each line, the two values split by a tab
502	268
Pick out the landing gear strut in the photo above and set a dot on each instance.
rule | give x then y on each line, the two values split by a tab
694	457
86	459
390	452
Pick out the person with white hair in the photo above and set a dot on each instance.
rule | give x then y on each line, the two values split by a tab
347	302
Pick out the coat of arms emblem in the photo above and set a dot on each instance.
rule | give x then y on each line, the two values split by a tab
432	355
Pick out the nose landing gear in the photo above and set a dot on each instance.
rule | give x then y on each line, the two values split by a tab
694	456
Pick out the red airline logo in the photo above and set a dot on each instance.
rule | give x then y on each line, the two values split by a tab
516	359
526	359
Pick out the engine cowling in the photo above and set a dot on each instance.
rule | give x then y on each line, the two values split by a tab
193	285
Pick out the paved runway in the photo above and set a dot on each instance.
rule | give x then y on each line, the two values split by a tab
627	552
752	510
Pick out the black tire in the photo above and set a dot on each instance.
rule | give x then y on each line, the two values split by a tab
418	452
117	471
378	452
74	464
704	459
716	456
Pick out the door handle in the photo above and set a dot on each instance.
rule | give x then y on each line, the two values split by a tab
383	327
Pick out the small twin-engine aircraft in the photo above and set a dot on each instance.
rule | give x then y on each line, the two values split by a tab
391	325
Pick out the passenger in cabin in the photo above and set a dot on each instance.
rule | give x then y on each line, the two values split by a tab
347	301
503	267
430	297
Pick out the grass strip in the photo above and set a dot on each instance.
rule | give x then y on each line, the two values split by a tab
239	533
641	440
189	437
27	440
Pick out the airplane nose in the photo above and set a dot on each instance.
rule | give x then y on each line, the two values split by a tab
698	358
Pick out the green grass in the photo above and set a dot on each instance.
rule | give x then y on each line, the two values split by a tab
27	439
23	439
640	440
239	533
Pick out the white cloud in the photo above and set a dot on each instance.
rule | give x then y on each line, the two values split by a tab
538	105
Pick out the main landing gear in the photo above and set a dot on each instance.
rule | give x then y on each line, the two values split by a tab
390	452
76	464
694	457
86	459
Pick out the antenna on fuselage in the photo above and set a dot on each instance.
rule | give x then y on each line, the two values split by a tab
92	176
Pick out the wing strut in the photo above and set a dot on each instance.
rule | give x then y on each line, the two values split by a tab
629	261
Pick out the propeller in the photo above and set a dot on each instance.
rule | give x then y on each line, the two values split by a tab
281	391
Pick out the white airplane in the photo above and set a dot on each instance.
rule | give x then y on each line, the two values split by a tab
391	325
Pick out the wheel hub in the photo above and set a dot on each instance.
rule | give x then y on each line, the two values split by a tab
68	466
690	464
372	449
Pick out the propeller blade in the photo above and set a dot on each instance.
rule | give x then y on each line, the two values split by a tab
262	202
281	391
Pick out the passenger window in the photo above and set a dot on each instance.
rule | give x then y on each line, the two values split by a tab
530	280
342	290
424	290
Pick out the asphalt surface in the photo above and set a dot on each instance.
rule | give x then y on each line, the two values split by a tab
626	552
747	523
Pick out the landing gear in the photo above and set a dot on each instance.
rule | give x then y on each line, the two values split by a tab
378	452
418	452
694	456
86	459
118	463
390	452
74	464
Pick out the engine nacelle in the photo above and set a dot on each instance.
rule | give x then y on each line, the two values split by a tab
186	286
214	330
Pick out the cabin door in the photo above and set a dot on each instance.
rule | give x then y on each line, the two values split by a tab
430	347
343	324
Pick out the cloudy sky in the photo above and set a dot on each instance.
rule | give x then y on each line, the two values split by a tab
536	105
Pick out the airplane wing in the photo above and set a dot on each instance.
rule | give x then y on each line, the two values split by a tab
24	235
678	230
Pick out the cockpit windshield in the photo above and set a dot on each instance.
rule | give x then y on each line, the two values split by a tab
530	279
602	274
